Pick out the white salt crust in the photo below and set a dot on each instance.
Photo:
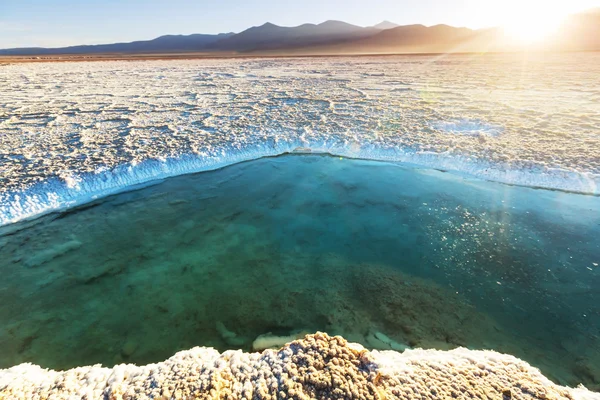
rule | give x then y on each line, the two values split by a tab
316	367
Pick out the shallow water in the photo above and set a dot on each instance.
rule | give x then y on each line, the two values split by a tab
304	243
72	131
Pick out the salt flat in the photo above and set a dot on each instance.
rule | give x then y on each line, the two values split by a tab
529	120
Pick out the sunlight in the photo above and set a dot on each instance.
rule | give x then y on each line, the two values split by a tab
532	21
528	31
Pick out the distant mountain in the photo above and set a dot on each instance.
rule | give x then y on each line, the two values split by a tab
162	44
271	36
386	25
415	39
580	32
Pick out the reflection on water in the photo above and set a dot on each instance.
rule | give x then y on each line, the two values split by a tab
385	255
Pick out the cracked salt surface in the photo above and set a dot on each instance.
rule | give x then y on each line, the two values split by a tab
469	127
70	132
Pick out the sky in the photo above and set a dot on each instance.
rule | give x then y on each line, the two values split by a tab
55	23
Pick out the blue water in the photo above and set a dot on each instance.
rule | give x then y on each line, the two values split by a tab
300	243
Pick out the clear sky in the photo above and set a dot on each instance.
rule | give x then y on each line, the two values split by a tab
51	23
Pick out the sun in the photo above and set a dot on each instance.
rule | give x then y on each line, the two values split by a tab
534	29
531	21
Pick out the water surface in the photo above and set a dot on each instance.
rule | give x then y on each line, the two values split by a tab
305	243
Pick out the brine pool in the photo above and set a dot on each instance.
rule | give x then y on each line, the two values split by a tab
300	243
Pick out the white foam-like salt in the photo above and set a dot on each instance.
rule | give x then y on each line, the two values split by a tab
73	132
56	194
469	127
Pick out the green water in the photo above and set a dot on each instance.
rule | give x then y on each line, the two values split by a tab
305	243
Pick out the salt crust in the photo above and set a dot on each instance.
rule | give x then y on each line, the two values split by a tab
318	366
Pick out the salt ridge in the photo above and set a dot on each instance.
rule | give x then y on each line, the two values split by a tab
318	366
60	194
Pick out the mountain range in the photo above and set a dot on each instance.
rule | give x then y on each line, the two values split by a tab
579	32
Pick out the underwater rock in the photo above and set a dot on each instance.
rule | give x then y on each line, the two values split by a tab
391	343
269	341
223	331
398	346
231	338
318	366
49	254
375	343
129	347
380	341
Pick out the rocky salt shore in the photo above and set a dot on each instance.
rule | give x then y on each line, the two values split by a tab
318	366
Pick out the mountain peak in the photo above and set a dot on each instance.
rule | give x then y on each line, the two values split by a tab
269	25
332	22
385	25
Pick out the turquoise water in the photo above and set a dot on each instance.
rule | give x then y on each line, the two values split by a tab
303	243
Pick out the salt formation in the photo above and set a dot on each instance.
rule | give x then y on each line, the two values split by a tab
318	366
71	132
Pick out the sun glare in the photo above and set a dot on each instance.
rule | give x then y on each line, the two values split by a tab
532	31
530	21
